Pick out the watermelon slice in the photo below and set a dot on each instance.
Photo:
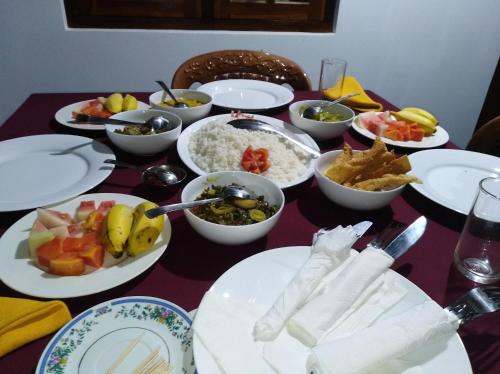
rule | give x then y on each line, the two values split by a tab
53	218
105	206
38	235
85	208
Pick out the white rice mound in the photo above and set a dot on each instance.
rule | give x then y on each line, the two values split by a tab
219	147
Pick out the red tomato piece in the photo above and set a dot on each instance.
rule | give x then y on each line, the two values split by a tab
255	161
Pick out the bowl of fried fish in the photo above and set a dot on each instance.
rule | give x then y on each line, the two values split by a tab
363	180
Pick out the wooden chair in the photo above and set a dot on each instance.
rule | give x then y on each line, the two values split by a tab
487	138
240	64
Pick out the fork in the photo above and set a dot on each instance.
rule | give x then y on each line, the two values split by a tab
476	302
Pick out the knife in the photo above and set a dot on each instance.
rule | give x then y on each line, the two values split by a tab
361	227
405	240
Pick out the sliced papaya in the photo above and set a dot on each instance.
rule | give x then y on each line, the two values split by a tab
67	264
49	251
92	255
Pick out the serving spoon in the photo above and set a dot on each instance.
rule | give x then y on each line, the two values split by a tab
165	174
177	104
235	192
255	124
156	123
312	111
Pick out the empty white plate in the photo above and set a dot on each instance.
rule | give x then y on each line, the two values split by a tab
247	94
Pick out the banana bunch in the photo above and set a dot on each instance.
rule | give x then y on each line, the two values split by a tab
116	103
421	117
129	230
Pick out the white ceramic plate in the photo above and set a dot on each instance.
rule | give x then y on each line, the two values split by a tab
261	279
247	94
450	177
64	115
92	341
183	143
19	272
439	138
44	169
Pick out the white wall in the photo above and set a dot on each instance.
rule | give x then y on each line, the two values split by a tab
439	55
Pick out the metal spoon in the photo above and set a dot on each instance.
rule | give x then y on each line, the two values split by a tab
312	111
177	104
155	123
235	192
255	124
158	175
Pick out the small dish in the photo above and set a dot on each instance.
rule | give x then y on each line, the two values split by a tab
318	129
188	115
144	145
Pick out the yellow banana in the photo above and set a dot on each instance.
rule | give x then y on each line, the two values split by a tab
114	103
144	230
117	226
421	121
422	112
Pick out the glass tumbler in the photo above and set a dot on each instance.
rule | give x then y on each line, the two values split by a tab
332	75
477	255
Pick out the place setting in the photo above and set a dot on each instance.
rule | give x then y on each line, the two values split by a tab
307	299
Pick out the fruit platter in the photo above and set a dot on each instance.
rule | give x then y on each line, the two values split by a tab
409	128
83	246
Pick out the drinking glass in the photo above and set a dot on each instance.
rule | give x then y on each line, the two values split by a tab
332	75
477	255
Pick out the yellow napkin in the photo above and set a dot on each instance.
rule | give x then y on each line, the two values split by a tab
23	320
361	103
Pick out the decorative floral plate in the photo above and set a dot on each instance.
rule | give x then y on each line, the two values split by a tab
120	336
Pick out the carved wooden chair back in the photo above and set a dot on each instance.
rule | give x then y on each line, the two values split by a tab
487	138
240	64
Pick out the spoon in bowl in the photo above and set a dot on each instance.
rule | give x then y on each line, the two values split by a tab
156	123
158	175
235	192
177	104
312	111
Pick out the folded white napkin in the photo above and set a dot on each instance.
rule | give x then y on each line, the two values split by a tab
371	348
329	250
341	297
285	354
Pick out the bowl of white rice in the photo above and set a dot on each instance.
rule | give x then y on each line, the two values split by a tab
211	145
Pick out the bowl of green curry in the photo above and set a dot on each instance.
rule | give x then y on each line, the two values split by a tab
233	221
330	123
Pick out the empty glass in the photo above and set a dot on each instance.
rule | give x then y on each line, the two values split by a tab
477	255
332	75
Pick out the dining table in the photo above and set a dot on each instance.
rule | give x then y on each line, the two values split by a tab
191	264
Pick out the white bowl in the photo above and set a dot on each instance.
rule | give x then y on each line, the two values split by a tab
346	196
188	115
318	129
144	145
232	235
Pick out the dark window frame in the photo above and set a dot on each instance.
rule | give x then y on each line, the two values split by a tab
317	17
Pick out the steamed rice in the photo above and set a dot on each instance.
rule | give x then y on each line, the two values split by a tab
219	147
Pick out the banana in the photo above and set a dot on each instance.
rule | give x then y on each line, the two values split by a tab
117	226
114	103
422	122
144	230
422	112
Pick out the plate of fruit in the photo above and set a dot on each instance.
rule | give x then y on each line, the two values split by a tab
408	128
83	246
103	107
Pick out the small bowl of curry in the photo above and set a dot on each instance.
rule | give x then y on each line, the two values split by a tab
233	222
199	104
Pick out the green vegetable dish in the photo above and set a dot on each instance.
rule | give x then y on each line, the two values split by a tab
137	130
324	116
234	212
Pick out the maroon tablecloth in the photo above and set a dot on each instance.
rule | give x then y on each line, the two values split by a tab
191	264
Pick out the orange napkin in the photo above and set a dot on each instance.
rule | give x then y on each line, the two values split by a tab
23	320
361	103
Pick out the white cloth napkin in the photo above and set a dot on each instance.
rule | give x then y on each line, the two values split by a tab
341	297
329	250
369	349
